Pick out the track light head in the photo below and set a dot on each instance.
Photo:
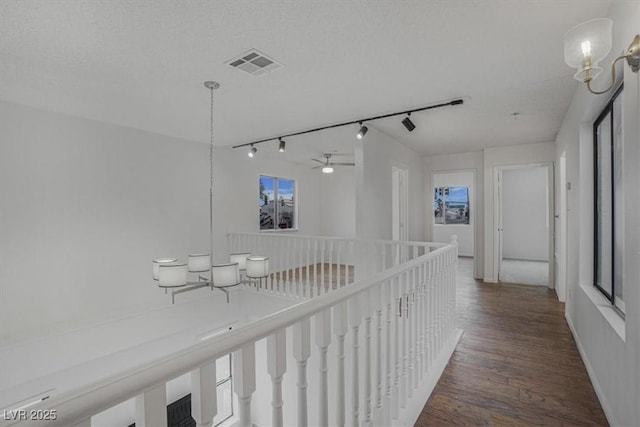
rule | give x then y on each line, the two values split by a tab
281	146
408	123
362	132
252	152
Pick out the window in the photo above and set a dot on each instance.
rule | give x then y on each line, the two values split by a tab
277	203
608	202
224	390
451	205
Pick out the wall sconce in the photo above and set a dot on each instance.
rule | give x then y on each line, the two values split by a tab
588	43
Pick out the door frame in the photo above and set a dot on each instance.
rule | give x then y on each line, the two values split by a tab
497	216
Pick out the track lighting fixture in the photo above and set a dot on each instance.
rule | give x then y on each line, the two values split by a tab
252	152
362	132
408	123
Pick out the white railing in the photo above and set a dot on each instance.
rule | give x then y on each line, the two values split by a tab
392	332
308	266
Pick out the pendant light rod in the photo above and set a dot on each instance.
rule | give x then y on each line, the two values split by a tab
211	86
359	121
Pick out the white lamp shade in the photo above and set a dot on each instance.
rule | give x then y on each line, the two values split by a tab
157	262
587	44
199	263
226	274
327	169
240	258
172	274
257	266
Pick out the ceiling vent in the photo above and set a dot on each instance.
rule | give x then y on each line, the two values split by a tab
254	62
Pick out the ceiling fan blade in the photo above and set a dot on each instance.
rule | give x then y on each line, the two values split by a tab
319	161
317	167
344	164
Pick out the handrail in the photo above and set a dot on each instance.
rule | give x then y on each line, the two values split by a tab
343	239
82	403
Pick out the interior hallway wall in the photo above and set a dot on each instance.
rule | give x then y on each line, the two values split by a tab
609	345
452	163
375	155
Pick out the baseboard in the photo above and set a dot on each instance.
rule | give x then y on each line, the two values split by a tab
594	381
421	395
525	259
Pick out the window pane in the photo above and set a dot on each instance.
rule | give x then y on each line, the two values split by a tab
457	205
286	203
223	368
267	205
225	410
438	205
603	206
618	202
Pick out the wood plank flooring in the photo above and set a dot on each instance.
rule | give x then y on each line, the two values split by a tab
516	364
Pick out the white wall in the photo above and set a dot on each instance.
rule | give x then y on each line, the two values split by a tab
85	206
338	202
375	156
473	161
236	192
493	158
465	232
525	214
610	346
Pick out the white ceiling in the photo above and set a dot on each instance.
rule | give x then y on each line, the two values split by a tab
143	63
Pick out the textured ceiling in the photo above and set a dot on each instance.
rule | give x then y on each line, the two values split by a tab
143	63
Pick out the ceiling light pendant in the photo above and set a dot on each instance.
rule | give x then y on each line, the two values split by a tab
252	152
327	169
408	123
362	132
281	146
586	44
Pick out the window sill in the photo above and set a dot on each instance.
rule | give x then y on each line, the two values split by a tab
615	320
279	230
451	225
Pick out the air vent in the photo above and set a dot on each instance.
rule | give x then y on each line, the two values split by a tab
254	62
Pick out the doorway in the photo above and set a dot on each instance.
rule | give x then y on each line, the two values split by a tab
525	225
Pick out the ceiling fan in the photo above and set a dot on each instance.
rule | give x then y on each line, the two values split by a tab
327	165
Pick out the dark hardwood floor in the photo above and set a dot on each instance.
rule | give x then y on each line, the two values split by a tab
516	364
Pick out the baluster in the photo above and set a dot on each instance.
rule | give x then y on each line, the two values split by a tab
306	270
388	300
411	375
404	338
244	381
377	306
340	281
323	290
421	320
301	352
330	242
340	324
314	267
204	397
397	317
354	321
151	407
323	339
366	311
277	366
